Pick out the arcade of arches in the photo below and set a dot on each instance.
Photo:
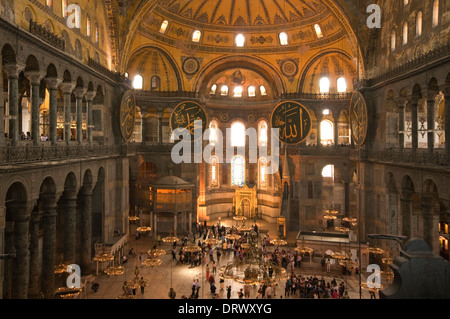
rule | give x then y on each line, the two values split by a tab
71	179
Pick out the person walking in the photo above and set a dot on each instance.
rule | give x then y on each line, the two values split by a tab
228	292
197	289
142	284
207	271
213	291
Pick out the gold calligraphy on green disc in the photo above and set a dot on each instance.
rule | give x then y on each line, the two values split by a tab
127	115
359	119
293	121
191	117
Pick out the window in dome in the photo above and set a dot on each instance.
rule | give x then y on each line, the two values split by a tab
88	26
196	36
224	90
240	40
419	24
155	83
64	7
237	134
49	3
238	171
283	38
435	13
138	82
405	2
213	89
164	26
237	91
318	31
341	85
251	91
405	33
325	85
97	38
393	40
263	90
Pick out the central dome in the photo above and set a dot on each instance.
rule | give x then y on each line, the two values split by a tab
238	14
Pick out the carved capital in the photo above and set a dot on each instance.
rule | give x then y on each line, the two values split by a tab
79	92
35	77
67	87
13	69
53	82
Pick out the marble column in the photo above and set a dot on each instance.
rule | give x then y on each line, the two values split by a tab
2	113
319	137
406	214
431	113
90	123
48	244
79	94
35	82
67	89
447	120
8	263
144	127
155	230
415	123
70	215
430	224
336	129
35	284
86	230
190	222
160	130
401	124
13	71
52	84
21	262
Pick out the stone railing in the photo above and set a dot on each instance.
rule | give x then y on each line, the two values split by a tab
115	76
30	154
408	157
317	96
173	94
42	33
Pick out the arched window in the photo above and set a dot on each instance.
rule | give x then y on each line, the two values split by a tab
263	91
240	40
262	172
262	133
64	7
155	83
213	134
238	171
196	36
324	85
405	33
328	173
96	34
318	31
405	2
224	90
214	172
393	40
419	24
164	26
237	134
341	85
88	26
251	91
49	3
283	38
138	82
237	91
213	89
326	132
435	13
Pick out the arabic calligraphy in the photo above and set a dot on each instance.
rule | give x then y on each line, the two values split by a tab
127	115
188	115
293	121
358	118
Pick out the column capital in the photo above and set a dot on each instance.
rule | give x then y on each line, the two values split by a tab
35	77
13	69
90	95
79	92
53	82
431	94
445	88
67	87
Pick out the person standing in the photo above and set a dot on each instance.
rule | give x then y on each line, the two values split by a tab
142	284
197	289
328	265
213	291
229	292
207	271
269	292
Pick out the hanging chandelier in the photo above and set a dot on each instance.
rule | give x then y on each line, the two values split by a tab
170	239
278	242
115	271
144	229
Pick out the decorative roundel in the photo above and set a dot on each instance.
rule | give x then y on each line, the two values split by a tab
127	115
289	68
359	120
191	66
224	117
188	120
251	118
293	122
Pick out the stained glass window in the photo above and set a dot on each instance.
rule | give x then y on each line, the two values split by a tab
238	171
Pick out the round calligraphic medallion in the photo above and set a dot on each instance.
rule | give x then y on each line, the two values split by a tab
289	68
127	115
191	66
293	121
359	120
188	120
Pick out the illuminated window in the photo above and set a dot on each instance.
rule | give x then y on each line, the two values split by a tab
155	83
237	91
318	31
49	3
326	112
138	82
88	26
262	172
419	24
326	132
262	134
328	172
213	89
196	36
237	134
214	171
96	34
324	85
435	13
224	90
64	7
393	40
405	2
240	40
213	132
238	171
126	74
283	38
164	26
263	91
251	91
405	33
341	85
